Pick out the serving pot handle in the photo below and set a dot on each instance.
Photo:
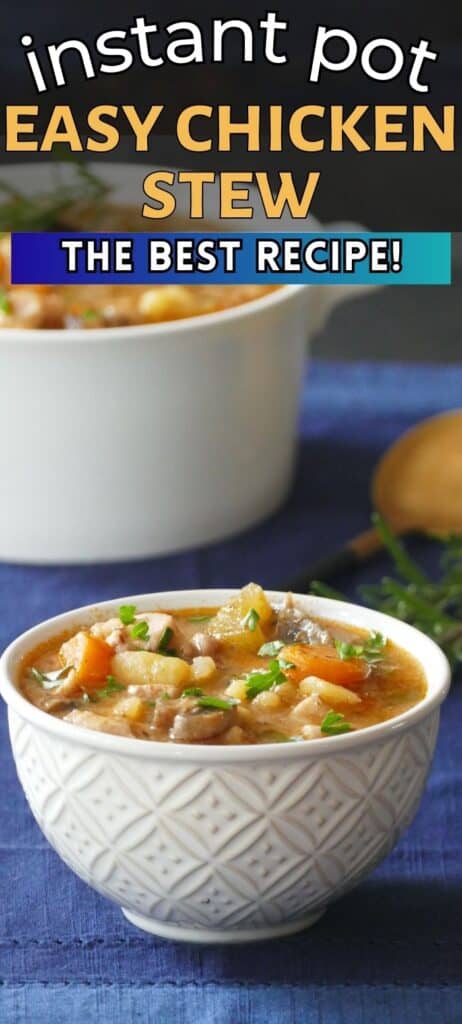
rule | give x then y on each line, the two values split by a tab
330	296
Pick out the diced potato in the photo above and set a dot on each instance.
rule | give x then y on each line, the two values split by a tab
142	668
90	657
229	624
131	708
237	688
165	302
324	662
331	693
203	668
234	735
287	692
268	700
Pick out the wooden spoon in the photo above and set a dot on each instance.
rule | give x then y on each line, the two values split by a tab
417	486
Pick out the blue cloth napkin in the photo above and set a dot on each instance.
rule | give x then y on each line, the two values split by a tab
391	951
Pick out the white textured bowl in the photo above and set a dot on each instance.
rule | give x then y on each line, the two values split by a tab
224	844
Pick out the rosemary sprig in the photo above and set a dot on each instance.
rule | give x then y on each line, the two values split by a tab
21	212
433	606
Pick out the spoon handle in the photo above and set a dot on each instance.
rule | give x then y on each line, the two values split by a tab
346	559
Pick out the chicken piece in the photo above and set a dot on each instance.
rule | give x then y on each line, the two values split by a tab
164	714
311	710
99	723
295	627
105	628
112	632
121	638
158	623
200	724
206	645
33	308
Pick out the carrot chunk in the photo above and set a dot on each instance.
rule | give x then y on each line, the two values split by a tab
90	657
323	661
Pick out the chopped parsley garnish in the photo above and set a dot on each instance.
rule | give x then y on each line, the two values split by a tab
22	212
164	641
433	605
192	691
49	680
286	665
251	620
334	724
112	686
371	650
271	648
5	304
258	682
127	614
200	618
216	702
140	631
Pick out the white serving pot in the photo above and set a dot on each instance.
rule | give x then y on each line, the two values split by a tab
224	844
128	442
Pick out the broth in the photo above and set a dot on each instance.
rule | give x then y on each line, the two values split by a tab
241	674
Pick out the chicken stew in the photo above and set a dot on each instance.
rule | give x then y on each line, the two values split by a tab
244	673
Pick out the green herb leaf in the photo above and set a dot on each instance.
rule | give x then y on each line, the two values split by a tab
258	682
5	304
127	614
334	724
435	607
192	691
50	680
140	631
216	702
251	620
372	650
405	565
286	665
112	686
200	618
323	590
165	640
271	648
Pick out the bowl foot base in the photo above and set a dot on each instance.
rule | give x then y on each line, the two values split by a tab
180	933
